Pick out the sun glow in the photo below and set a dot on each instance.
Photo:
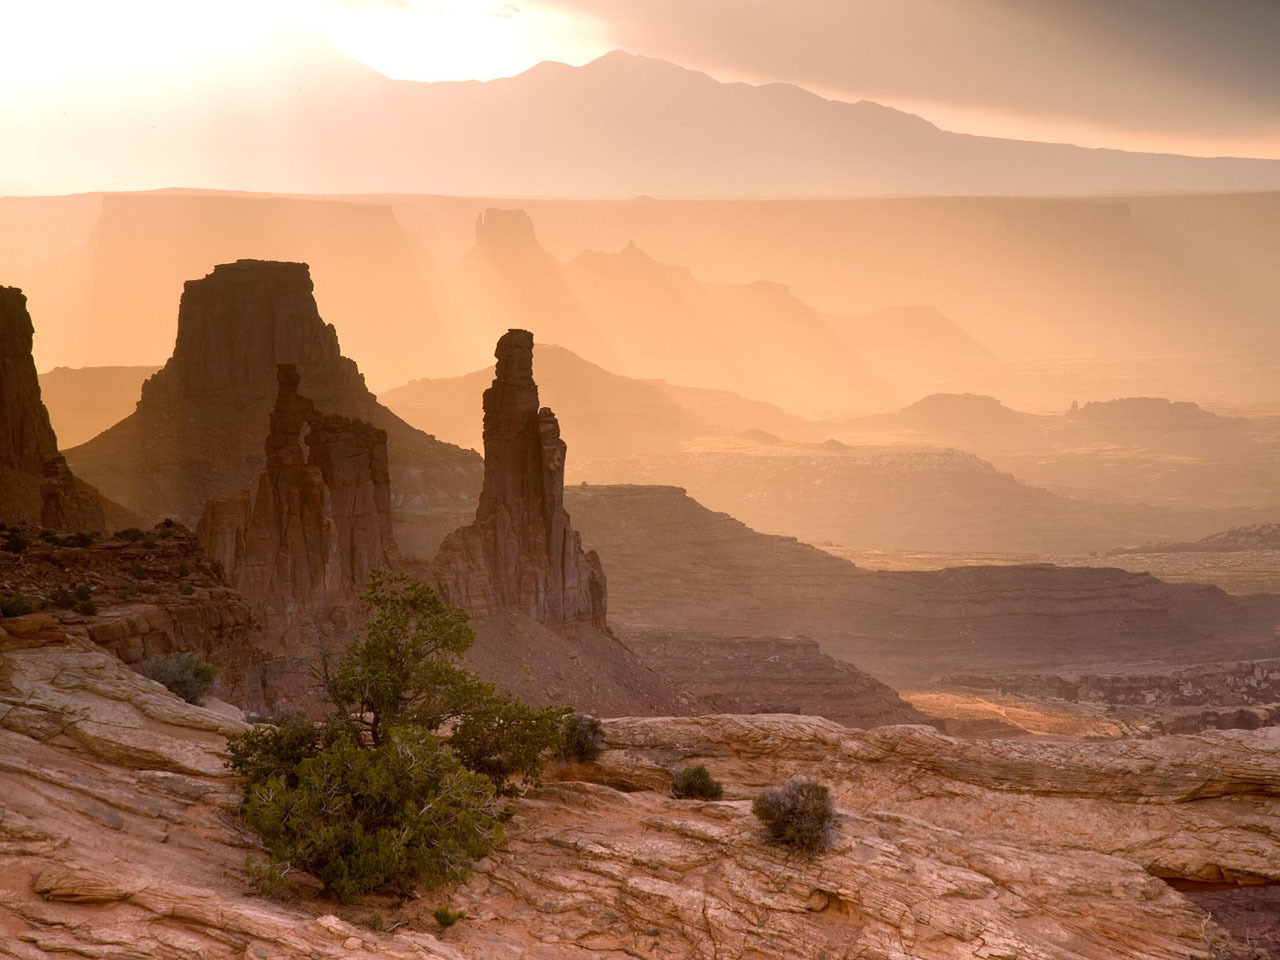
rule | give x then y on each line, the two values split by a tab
58	45
476	40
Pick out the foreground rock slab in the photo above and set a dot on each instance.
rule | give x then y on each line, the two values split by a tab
119	840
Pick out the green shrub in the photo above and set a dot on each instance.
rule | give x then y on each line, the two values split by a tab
86	607
47	535
581	738
186	589
695	783
446	917
502	737
79	539
63	598
183	673
359	819
269	879
82	592
129	535
798	815
372	795
275	750
14	605
15	541
184	569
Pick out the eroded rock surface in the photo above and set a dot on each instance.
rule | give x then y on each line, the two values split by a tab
196	434
36	485
119	840
302	553
521	552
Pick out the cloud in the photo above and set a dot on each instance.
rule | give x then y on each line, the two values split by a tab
1175	68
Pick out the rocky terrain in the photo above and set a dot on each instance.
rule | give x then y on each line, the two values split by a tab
140	594
677	566
120	839
36	484
197	431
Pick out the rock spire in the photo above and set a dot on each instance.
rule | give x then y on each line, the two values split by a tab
521	552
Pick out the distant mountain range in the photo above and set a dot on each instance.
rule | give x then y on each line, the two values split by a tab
622	125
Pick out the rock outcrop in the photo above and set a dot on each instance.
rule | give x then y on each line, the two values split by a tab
149	595
521	552
119	840
196	434
319	525
35	483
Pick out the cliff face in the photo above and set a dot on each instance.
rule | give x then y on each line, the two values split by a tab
35	482
521	552
196	433
320	523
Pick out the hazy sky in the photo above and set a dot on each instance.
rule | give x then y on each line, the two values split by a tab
1194	76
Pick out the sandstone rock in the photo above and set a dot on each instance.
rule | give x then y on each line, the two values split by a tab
36	484
521	553
196	434
321	522
119	842
1201	808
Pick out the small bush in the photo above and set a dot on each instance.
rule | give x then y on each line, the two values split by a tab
446	917
138	572
14	605
798	815
82	592
79	539
63	598
375	922
268	750
183	673
696	783
269	879
15	541
581	738
129	535
502	737
360	819
186	589
87	608
47	535
184	569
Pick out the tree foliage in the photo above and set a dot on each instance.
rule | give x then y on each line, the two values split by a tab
360	818
398	782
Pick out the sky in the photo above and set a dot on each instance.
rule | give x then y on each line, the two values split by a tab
1189	76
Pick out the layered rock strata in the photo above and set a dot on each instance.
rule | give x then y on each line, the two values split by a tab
521	553
36	485
196	433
